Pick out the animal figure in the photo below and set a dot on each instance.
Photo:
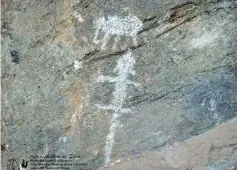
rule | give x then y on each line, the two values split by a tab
116	26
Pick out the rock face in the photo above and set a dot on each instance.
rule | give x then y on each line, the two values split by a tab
140	84
214	150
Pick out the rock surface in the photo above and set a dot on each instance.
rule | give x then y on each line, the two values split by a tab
153	82
214	150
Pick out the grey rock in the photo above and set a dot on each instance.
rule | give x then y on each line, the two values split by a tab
179	81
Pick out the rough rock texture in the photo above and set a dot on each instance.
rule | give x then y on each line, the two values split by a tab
113	81
214	150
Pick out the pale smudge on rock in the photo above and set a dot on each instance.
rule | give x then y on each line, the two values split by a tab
213	109
212	105
226	4
203	103
77	65
123	69
204	40
78	16
85	39
74	94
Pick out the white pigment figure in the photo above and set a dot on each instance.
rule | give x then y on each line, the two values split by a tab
123	69
116	26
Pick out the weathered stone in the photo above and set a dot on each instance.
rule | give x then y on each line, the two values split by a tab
118	80
213	150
